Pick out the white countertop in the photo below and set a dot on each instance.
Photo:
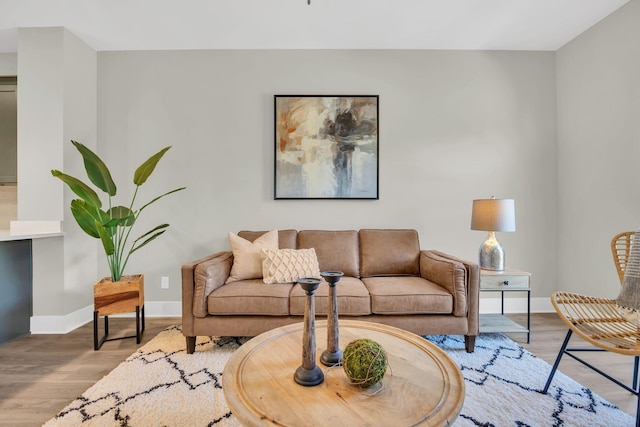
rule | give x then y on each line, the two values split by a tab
27	230
6	235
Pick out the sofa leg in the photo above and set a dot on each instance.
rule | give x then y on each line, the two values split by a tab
469	343
191	344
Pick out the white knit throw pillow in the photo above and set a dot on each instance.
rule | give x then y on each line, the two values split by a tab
289	265
628	300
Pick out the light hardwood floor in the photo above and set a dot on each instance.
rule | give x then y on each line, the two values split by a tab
40	374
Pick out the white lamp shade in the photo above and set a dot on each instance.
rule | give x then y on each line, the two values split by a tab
493	215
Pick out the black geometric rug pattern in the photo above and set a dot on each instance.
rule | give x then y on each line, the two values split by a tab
510	379
160	385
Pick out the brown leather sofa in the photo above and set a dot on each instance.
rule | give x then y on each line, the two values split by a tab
387	279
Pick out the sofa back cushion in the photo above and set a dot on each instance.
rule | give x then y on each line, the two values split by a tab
286	238
336	250
389	253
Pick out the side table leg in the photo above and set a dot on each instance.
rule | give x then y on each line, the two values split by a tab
138	324
528	316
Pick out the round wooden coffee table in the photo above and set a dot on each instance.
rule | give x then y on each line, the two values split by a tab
423	386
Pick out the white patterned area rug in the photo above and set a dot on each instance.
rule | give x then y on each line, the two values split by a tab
161	385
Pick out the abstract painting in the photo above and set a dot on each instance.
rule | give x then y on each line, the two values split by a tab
326	147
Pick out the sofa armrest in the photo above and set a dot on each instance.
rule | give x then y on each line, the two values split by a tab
199	279
459	277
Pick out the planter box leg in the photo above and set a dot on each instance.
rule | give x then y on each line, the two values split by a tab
97	342
139	324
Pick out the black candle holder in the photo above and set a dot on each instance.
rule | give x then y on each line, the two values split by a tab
332	356
309	374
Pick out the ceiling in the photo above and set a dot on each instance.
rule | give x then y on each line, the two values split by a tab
323	24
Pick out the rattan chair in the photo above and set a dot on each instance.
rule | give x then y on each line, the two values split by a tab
598	321
620	246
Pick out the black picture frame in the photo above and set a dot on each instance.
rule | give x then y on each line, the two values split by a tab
326	147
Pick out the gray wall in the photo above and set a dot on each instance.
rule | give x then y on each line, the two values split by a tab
57	78
454	126
8	64
598	76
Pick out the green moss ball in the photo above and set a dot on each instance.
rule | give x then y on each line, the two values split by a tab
365	362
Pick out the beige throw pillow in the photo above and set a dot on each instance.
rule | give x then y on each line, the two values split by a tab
247	262
289	265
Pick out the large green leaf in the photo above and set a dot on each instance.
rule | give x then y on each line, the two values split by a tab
97	171
85	192
144	170
121	215
159	197
96	213
112	223
105	236
159	227
84	215
135	248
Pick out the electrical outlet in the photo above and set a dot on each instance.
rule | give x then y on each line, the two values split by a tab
164	282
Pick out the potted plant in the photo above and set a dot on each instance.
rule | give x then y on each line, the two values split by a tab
112	224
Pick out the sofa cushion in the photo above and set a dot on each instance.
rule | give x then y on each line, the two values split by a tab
251	297
286	238
407	295
247	261
389	253
353	298
288	265
336	250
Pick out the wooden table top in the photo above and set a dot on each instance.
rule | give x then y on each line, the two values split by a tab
423	385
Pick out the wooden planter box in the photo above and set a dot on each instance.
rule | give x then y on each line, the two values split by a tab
118	297
125	296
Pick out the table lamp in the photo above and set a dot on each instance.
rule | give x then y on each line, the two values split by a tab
493	215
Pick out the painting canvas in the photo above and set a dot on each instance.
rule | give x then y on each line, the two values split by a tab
326	147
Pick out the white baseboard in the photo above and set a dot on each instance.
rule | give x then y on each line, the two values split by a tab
163	309
61	324
66	323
